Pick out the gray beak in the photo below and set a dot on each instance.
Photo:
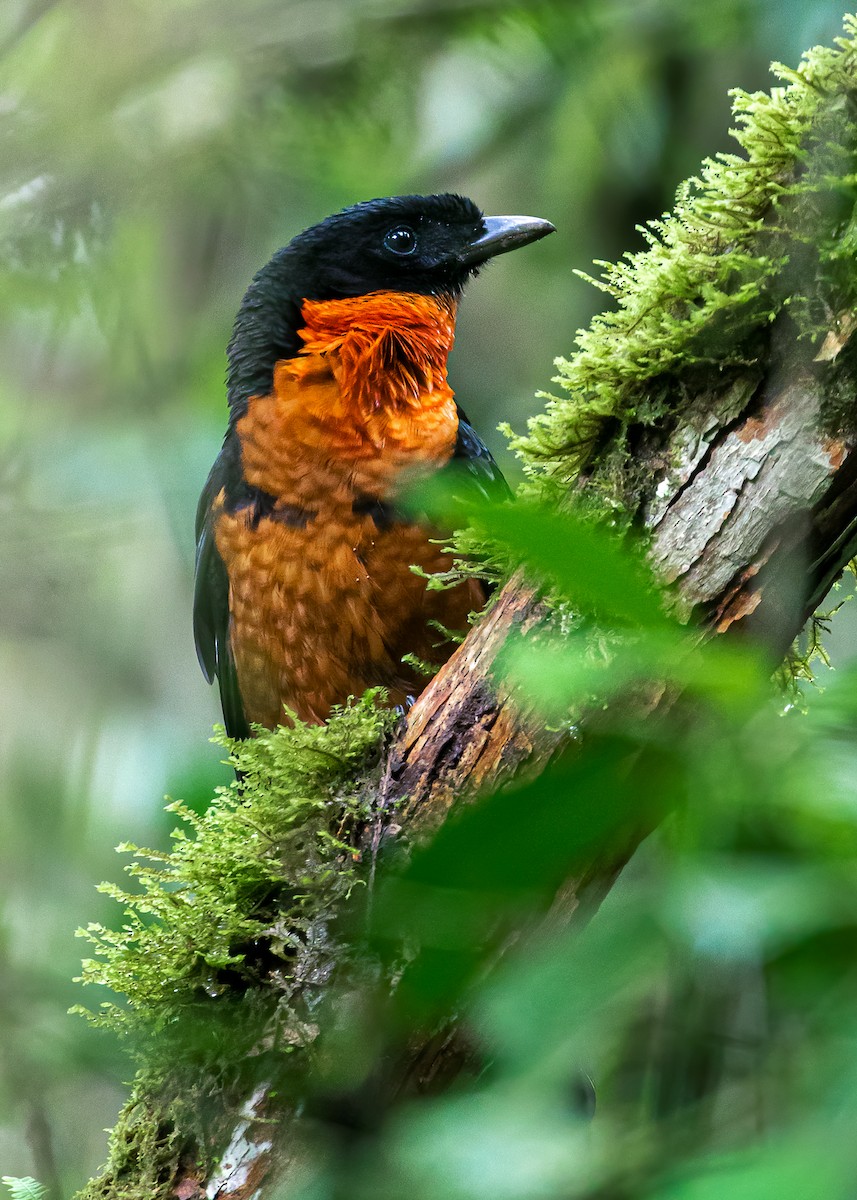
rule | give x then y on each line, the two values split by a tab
500	234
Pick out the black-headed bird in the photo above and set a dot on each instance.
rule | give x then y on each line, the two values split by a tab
338	397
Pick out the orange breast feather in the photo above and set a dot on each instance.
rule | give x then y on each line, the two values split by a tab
323	600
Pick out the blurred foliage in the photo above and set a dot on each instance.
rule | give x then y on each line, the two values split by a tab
24	1189
154	155
711	999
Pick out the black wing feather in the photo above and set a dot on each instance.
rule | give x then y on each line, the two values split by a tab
472	459
211	604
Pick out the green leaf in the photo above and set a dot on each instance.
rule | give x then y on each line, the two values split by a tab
814	1163
596	571
506	856
24	1188
589	565
565	672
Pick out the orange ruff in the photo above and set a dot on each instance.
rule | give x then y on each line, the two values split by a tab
322	599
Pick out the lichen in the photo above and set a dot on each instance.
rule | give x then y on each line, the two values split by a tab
770	229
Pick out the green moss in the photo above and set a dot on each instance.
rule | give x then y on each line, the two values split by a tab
210	973
146	1150
800	669
241	898
25	1188
770	229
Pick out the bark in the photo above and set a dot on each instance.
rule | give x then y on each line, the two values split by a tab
468	732
751	505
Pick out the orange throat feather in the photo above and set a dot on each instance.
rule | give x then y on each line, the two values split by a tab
387	349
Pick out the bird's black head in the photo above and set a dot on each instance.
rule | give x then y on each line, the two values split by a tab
425	244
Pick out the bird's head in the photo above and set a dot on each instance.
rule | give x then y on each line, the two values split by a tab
425	244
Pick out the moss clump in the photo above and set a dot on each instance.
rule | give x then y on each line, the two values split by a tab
203	966
146	1150
768	229
212	970
808	656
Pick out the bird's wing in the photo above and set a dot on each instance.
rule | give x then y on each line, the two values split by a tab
211	604
472	461
476	475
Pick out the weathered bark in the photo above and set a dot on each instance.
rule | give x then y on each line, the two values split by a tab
751	505
469	732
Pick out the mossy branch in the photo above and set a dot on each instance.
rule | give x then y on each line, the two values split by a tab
224	936
752	235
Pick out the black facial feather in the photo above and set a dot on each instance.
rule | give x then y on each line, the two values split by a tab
348	254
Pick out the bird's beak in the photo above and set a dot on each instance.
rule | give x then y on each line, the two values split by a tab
500	234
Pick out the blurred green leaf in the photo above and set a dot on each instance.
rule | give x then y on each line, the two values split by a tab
592	567
813	1164
566	673
505	856
24	1189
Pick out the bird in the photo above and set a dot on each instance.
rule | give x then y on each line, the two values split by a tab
310	579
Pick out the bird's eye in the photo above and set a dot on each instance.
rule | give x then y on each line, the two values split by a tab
401	240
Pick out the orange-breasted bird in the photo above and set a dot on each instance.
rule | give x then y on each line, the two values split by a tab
338	396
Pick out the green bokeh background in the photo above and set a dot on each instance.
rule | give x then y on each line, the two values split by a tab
154	153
